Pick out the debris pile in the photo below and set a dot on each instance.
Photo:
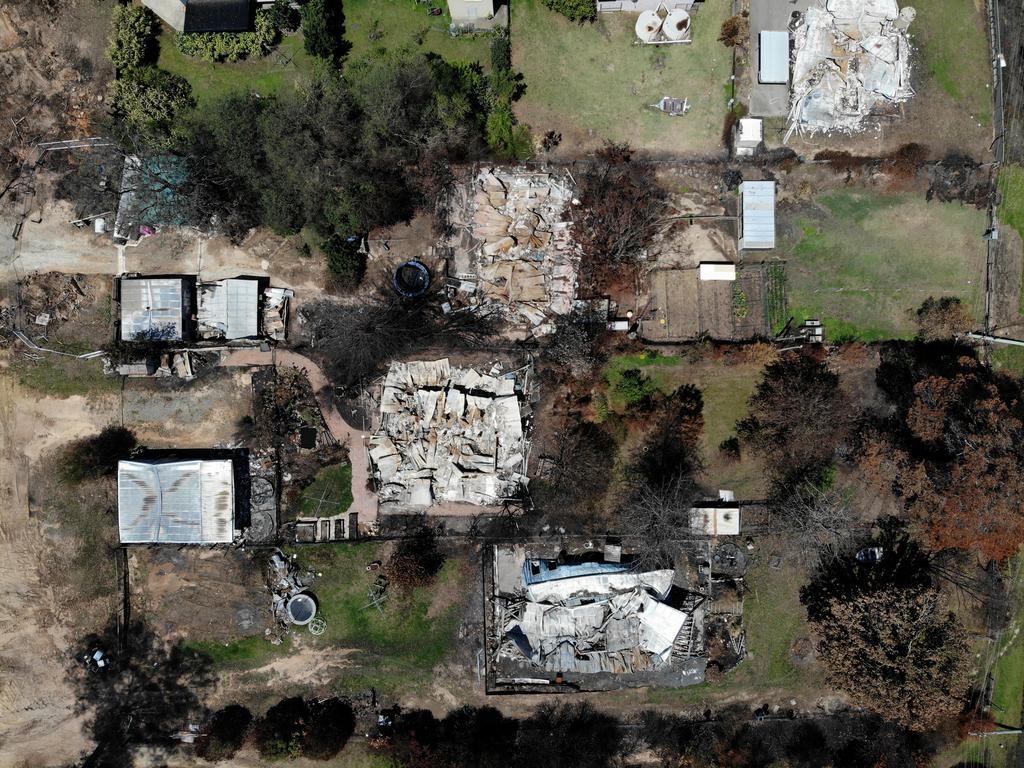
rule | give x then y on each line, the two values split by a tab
450	435
51	298
591	617
519	259
285	582
851	61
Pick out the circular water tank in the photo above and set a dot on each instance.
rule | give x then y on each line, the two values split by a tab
647	26
677	25
411	279
301	608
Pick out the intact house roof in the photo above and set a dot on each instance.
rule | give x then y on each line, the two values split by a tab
204	15
176	502
229	309
153	307
757	220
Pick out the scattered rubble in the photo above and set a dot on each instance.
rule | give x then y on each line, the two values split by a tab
851	61
49	299
516	256
450	434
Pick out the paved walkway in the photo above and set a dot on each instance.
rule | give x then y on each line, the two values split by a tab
364	501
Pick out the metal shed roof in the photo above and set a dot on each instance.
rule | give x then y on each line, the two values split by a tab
758	224
176	502
773	57
229	309
152	307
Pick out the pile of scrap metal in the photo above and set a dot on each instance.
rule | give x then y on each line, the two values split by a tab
851	61
285	581
184	364
275	312
450	435
522	262
590	617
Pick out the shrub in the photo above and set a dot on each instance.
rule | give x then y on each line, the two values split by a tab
154	102
416	560
232	46
633	388
97	456
735	31
574	10
224	735
505	137
942	319
323	24
345	259
133	38
501	51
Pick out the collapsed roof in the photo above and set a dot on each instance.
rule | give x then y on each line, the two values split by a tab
449	434
229	309
852	59
589	617
520	260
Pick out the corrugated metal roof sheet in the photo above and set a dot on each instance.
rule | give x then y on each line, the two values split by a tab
175	502
773	57
758	214
152	307
229	309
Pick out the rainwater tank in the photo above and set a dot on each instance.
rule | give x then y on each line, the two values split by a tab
301	608
648	25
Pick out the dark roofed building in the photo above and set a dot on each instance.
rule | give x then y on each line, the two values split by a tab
204	15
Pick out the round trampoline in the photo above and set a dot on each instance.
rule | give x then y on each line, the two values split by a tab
301	608
411	279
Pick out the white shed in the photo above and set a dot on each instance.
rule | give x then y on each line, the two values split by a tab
773	57
710	270
757	215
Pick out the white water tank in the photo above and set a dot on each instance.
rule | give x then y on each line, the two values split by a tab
648	25
677	25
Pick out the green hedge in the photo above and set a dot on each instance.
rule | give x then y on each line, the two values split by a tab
232	46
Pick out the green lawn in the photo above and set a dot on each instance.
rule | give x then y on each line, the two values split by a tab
871	260
396	649
245	653
725	389
59	376
773	618
1008	694
399	647
953	41
405	23
329	494
212	80
1011	204
591	83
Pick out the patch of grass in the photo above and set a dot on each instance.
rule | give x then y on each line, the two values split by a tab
398	647
213	80
953	40
402	23
334	486
1008	359
590	82
253	651
59	376
773	618
725	389
867	265
1008	694
1011	203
